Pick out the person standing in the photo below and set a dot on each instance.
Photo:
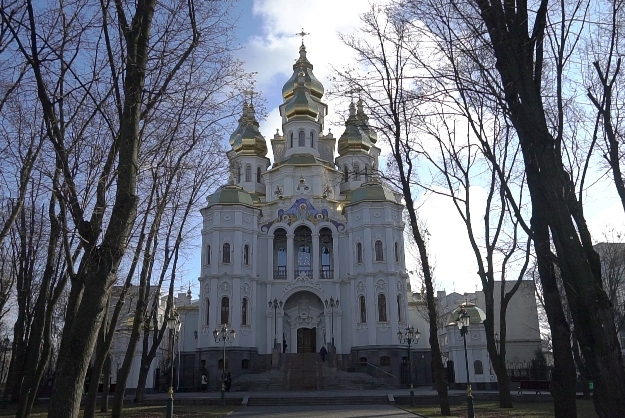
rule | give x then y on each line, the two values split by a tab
323	353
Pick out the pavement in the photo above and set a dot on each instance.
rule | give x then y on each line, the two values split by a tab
324	411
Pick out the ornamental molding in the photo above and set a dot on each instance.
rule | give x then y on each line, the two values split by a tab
224	288
303	279
361	287
381	286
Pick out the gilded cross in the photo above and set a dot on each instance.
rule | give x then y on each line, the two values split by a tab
302	34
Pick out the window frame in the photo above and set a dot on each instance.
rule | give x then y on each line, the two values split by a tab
382	308
379	250
224	310
225	253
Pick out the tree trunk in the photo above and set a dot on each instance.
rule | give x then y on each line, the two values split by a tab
583	372
102	353
106	385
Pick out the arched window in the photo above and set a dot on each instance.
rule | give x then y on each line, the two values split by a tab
303	257
312	139
208	255
345	174
379	251
396	252
399	308
248	173
356	172
281	258
366	173
238	174
246	255
363	310
325	258
207	307
301	140
291	139
225	310
258	175
359	253
244	312
382	308
225	256
479	368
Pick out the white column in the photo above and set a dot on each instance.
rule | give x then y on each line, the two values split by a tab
372	315
290	256
335	256
270	256
316	264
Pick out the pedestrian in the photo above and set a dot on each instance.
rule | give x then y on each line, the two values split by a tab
203	376
323	353
228	382
204	383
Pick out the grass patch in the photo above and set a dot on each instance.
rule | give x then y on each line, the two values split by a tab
491	410
139	411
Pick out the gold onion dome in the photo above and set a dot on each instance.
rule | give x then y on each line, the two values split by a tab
246	138
358	135
310	81
301	103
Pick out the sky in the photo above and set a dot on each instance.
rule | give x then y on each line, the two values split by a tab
269	47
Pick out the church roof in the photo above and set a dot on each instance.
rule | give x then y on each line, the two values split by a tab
302	159
358	135
372	191
310	81
246	138
230	195
301	102
476	315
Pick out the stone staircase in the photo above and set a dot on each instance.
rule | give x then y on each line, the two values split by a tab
306	372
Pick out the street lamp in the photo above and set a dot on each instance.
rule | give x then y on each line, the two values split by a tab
173	323
463	321
275	305
223	334
331	305
409	336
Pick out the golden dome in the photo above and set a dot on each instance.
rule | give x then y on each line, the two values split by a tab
358	135
310	81
247	139
301	103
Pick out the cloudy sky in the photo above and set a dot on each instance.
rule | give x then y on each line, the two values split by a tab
267	33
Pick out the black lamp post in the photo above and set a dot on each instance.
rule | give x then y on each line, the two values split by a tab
275	305
463	321
409	336
331	305
223	334
173	323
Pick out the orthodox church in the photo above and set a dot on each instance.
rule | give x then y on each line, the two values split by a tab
306	252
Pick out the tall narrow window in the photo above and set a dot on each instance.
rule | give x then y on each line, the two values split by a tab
244	312
479	368
225	310
356	172
248	173
325	258
382	308
246	255
363	310
359	253
258	175
208	255
379	251
225	256
303	257
281	258
396	252
312	139
301	140
345	174
366	173
291	139
399	308
207	307
238	174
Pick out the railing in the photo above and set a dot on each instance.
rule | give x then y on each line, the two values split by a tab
377	368
306	273
279	274
326	274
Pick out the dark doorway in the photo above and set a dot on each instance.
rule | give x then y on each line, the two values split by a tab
306	340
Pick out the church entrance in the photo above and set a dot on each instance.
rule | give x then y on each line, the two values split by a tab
306	340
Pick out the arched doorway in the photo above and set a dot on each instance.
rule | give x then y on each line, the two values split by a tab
304	323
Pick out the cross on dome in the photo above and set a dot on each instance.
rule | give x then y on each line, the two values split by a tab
302	34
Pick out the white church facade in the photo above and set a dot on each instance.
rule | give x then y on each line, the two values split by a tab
307	251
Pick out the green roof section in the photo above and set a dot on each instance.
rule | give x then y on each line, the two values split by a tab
372	192
230	195
476	315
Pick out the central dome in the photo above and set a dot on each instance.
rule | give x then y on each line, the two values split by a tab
310	81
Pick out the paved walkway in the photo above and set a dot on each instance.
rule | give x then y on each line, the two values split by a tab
325	411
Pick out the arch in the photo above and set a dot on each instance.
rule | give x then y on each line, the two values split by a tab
303	288
225	253
248	173
258	176
301	139
382	316
225	310
379	251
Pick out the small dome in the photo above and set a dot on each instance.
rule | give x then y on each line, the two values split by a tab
358	135
230	195
476	314
310	81
373	191
247	139
301	102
